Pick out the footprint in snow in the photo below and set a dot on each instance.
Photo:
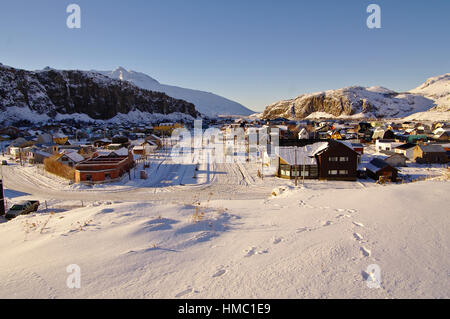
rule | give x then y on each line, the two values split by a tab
358	224
219	273
327	223
351	211
302	230
262	252
183	293
249	252
340	210
366	252
277	240
357	236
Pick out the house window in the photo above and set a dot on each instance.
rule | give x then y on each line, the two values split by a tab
332	172
285	170
305	173
343	159
333	159
107	176
89	178
343	172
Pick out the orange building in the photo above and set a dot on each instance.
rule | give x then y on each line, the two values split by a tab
103	168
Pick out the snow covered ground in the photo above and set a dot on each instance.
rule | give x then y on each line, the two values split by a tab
225	236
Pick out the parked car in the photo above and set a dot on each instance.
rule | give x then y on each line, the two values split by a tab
23	208
4	162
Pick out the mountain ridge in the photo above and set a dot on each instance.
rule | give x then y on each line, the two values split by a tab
358	101
206	103
49	93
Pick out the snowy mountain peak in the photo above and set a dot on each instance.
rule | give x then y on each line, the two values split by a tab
207	103
376	101
442	81
438	89
123	74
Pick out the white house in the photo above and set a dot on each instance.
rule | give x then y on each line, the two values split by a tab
386	145
70	158
406	149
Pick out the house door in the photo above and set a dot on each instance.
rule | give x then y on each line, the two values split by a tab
387	175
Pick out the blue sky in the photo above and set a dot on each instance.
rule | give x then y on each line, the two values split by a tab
253	51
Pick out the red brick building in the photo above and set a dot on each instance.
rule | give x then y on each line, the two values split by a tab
103	168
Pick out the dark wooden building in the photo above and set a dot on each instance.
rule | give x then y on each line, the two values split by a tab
338	162
378	168
430	154
322	159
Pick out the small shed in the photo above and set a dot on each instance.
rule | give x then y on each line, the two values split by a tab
379	168
396	160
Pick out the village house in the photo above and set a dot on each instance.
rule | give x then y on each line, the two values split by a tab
166	129
377	168
441	135
386	145
406	149
396	160
69	158
383	134
300	161
430	154
60	138
143	147
337	162
104	168
303	134
333	160
102	142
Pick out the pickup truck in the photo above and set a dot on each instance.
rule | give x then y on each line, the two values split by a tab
23	208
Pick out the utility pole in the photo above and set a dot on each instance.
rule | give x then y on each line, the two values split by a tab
295	165
262	162
2	197
304	169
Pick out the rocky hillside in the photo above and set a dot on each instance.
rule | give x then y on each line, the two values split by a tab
364	102
52	93
207	103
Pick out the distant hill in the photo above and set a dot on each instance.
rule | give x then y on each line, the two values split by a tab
362	102
38	96
207	103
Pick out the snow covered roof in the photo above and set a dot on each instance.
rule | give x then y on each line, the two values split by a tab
432	148
122	152
155	137
405	146
301	155
42	153
74	156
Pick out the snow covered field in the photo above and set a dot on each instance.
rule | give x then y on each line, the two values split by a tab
225	236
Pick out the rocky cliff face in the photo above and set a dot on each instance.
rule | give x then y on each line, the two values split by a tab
205	102
352	101
53	92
